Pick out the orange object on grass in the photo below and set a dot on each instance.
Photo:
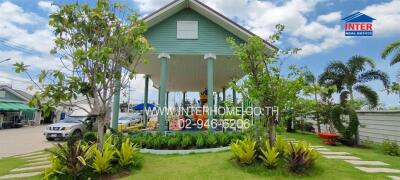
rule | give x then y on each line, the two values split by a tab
328	138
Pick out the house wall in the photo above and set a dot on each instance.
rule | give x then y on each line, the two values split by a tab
9	96
211	37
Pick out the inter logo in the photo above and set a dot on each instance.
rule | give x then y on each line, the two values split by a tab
358	24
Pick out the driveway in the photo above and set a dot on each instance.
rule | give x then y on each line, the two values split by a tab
22	140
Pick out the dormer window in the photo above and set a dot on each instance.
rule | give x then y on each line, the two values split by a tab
187	30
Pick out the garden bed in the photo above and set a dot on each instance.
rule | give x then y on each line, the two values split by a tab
184	151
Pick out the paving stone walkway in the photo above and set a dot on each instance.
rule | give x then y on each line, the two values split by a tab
35	164
362	165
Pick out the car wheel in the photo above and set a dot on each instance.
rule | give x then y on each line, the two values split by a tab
77	133
50	139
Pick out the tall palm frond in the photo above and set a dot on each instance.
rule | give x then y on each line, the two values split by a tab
309	77
375	75
331	79
357	63
369	94
389	49
337	67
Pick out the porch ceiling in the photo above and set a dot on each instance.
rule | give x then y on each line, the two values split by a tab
189	72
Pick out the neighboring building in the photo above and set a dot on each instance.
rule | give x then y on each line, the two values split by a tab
14	111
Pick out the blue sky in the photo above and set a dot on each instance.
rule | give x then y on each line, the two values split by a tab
313	25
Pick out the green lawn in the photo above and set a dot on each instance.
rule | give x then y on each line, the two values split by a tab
220	166
6	164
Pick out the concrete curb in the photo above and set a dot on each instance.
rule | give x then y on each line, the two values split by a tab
186	151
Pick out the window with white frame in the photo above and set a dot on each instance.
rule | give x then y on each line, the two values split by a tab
187	30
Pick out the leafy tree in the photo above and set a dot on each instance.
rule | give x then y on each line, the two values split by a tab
351	76
392	48
93	43
320	95
264	83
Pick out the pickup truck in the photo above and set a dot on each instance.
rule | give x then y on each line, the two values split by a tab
70	125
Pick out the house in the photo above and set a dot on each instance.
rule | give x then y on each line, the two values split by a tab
191	53
14	111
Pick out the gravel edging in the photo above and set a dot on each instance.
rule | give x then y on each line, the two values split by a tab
186	151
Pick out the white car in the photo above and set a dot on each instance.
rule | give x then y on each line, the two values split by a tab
71	125
125	122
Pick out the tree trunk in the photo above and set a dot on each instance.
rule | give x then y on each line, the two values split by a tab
316	113
271	130
100	130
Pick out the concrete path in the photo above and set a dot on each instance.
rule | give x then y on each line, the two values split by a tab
22	140
342	157
21	175
378	170
368	163
334	153
372	166
394	177
35	165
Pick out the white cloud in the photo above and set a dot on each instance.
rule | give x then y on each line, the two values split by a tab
11	19
34	61
47	6
261	17
331	17
387	17
14	14
148	6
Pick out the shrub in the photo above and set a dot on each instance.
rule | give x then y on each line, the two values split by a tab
71	158
158	142
211	140
244	150
200	142
102	158
281	145
127	154
90	137
173	142
300	157
270	156
186	142
390	147
56	168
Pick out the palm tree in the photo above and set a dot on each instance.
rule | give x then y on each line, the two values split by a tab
351	76
394	48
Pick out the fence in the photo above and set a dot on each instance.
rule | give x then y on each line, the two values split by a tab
375	125
379	125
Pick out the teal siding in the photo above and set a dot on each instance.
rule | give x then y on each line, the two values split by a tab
211	37
10	97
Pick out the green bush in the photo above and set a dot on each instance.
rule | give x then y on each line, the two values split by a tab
102	157
244	151
78	160
90	137
159	142
270	156
211	140
173	142
127	154
186	142
390	147
200	142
